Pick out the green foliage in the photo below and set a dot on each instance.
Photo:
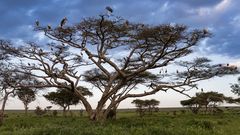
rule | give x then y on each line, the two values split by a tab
236	90
207	100
26	95
63	98
145	105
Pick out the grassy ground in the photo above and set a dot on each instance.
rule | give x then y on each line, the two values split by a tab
127	123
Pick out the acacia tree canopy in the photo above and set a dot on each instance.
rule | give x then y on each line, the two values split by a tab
203	99
121	56
65	98
26	95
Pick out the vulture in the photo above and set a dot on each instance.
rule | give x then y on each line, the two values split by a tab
63	22
126	23
49	27
109	9
37	23
205	31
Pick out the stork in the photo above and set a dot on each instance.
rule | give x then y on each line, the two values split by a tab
205	31
49	27
37	23
109	9
63	22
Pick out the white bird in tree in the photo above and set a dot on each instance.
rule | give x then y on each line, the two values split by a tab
63	22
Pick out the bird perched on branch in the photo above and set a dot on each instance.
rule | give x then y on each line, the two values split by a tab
109	9
49	27
37	23
205	31
63	22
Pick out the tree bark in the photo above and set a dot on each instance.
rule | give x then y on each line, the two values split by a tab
26	108
64	111
3	109
86	104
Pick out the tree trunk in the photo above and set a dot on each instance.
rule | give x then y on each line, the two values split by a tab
68	108
4	103
86	104
64	111
3	109
26	108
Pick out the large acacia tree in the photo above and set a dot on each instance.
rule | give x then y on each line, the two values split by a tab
122	56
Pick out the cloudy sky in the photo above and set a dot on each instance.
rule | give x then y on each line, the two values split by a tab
221	17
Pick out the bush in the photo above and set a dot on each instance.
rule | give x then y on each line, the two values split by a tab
183	111
174	113
39	111
55	112
205	124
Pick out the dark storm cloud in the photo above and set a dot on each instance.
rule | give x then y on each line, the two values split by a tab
17	16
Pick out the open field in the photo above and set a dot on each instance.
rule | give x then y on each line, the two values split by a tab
127	123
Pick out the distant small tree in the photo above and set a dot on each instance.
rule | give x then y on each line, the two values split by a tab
65	98
208	100
143	105
151	104
235	88
154	103
26	95
193	104
139	104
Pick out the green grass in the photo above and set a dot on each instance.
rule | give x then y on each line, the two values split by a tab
127	123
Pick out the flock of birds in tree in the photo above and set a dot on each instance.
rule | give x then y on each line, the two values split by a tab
64	20
110	11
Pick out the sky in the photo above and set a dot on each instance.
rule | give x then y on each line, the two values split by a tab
221	17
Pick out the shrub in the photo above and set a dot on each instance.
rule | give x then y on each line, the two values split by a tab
39	111
55	112
205	124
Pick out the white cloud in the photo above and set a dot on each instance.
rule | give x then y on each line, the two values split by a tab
236	21
214	11
222	5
